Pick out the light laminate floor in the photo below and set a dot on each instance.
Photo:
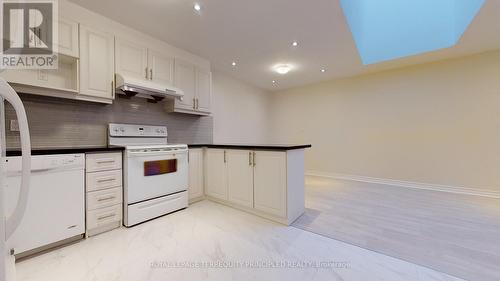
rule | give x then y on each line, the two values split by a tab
452	233
212	233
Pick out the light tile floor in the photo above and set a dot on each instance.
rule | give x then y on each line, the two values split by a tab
209	232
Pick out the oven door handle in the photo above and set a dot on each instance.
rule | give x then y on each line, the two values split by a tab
156	153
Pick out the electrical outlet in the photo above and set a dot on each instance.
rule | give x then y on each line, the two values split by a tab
14	125
43	75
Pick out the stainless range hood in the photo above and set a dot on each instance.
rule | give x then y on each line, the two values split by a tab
151	90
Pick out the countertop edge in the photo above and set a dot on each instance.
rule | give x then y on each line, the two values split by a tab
252	146
49	151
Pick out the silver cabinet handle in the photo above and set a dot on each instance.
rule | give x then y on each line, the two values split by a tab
105	179
250	158
105	161
224	156
106	198
254	162
150	74
194	103
146	69
106	216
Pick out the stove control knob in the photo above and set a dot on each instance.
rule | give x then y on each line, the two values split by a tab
122	130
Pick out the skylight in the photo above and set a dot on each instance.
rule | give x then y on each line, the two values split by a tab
389	29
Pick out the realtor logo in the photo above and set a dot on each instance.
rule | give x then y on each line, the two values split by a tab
29	34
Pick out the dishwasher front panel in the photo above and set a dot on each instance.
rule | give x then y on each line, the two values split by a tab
56	201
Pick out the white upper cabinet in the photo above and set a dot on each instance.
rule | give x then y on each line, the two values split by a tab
60	82
161	67
131	59
68	38
96	64
196	83
185	79
203	90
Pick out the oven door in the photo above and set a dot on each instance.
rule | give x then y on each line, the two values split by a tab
152	174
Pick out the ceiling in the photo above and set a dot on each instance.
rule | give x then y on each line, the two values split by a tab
258	34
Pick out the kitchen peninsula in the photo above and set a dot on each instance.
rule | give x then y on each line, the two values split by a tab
265	180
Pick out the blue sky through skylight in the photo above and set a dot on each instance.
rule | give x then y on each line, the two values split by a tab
389	29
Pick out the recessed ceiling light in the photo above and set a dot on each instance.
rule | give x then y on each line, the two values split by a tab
295	43
323	70
274	82
282	68
197	7
233	63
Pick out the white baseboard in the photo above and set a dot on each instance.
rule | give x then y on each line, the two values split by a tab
409	184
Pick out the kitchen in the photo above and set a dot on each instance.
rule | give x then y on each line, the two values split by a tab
155	161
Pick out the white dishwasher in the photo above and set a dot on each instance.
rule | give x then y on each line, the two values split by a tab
56	202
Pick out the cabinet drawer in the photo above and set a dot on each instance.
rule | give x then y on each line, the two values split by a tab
104	198
103	180
104	216
103	161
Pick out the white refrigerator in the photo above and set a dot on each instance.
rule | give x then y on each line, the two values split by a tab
9	224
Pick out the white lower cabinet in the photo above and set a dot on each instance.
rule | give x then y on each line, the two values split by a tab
266	183
104	192
240	177
216	181
270	182
195	188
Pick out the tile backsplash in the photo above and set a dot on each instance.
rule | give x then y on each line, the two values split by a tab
58	122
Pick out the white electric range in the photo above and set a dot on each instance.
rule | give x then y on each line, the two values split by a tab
155	173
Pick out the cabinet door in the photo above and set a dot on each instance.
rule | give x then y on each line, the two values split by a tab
96	63
185	79
240	177
195	173
203	90
68	38
131	59
270	182
216	180
161	67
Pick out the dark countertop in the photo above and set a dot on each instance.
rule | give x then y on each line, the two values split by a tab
73	150
65	150
253	146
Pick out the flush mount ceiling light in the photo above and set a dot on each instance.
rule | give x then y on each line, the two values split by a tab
274	82
197	7
282	68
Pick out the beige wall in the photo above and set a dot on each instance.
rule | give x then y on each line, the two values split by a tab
436	123
240	111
